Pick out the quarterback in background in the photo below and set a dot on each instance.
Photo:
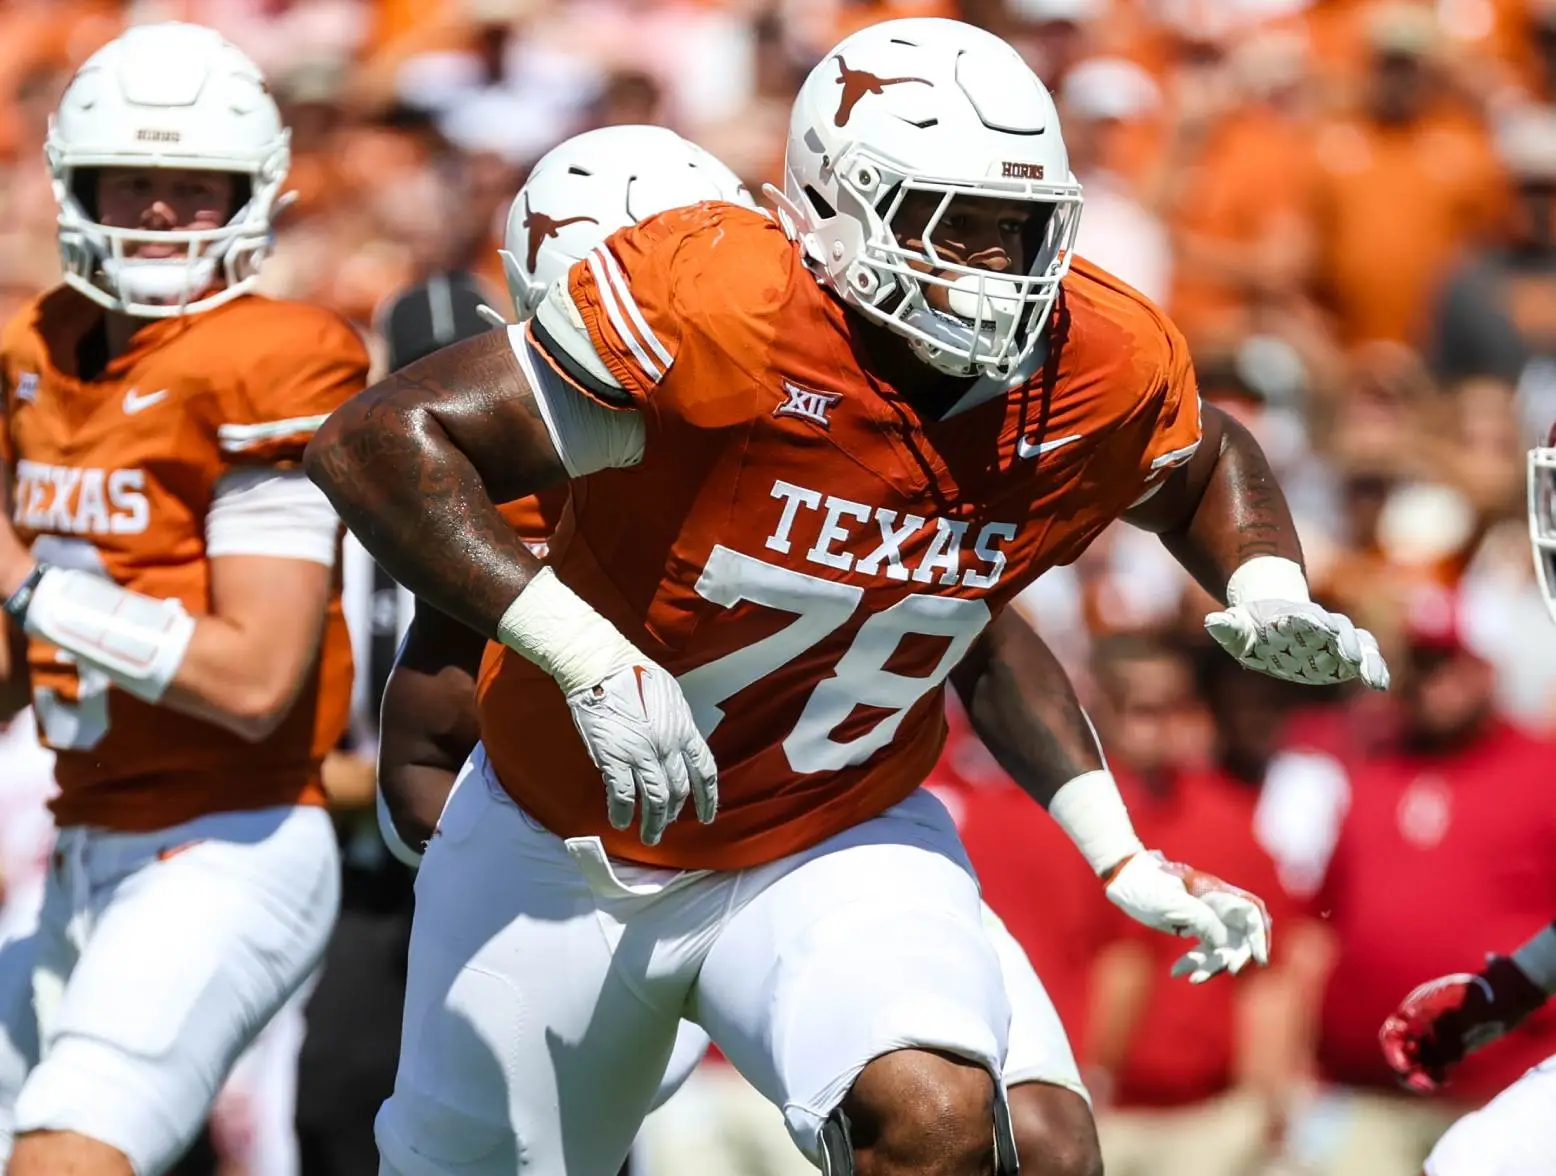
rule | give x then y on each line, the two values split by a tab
606	180
1444	1019
172	574
810	460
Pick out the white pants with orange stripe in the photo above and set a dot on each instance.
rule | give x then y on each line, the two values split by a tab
547	982
157	959
1512	1135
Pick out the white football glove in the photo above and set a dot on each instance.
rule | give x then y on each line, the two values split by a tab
1299	642
638	729
1232	926
1272	626
633	718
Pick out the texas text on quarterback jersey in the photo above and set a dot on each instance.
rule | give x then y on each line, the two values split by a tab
807	554
116	475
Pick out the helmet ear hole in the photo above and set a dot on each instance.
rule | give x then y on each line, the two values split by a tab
818	203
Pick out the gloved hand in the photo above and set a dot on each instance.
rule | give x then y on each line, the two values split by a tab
634	720
1444	1019
639	732
1298	641
1232	925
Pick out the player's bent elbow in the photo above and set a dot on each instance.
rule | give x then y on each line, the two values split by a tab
254	712
322	456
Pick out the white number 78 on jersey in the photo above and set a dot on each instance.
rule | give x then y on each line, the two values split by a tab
860	677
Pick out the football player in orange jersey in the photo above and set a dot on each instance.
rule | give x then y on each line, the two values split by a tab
604	180
173	572
811	459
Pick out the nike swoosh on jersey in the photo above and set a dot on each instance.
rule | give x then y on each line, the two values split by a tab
1025	448
134	402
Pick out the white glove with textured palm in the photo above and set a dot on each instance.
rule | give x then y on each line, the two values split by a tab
639	732
1270	625
634	720
1232	925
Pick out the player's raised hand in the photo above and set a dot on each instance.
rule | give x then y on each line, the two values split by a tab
1231	925
639	732
1444	1019
1298	641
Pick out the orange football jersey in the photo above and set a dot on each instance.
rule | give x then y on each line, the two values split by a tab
808	554
535	517
116	475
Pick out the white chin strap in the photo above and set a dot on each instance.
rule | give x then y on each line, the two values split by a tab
163	282
999	304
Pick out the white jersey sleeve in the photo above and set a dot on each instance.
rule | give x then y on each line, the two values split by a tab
261	510
588	435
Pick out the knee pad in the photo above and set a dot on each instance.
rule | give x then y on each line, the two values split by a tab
1006	1162
837	1145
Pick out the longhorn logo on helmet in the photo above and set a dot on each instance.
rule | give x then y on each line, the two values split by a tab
541	228
857	83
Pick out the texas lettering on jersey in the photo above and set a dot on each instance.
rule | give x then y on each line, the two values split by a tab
115	476
941	562
71	500
812	577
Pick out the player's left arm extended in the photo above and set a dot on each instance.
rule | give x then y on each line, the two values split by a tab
1022	705
1224	518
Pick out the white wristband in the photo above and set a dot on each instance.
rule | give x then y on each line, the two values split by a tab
1537	959
1267	577
137	640
1091	811
561	633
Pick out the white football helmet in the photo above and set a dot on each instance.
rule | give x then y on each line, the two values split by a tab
591	185
169	95
937	106
1542	517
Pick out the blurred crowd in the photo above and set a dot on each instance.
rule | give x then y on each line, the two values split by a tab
1350	209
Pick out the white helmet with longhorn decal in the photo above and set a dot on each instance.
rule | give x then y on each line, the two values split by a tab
939	107
593	184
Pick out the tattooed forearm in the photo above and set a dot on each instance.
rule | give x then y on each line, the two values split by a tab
1022	705
413	466
1264	520
1229	508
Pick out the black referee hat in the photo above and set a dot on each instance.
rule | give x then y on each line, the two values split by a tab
442	310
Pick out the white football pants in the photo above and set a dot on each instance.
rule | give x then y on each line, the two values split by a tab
157	959
547	982
1038	1049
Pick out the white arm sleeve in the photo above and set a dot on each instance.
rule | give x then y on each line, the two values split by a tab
587	435
260	510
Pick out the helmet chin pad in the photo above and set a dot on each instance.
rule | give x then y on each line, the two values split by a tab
170	281
978	306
